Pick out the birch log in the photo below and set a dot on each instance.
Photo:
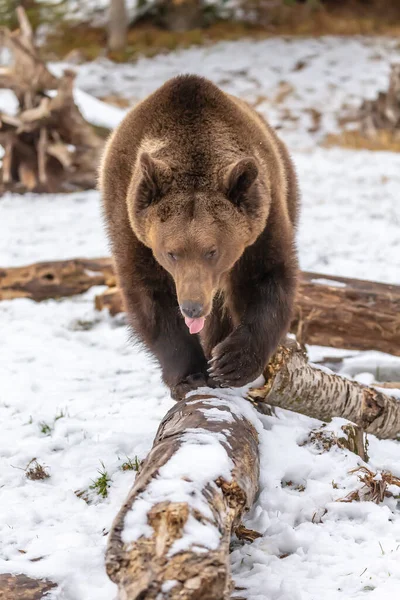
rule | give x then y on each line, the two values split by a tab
294	384
190	509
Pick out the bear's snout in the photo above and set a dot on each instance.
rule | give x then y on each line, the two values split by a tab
190	309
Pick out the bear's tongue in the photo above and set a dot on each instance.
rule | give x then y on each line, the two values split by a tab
195	325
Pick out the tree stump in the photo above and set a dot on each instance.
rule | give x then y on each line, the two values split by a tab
48	145
382	115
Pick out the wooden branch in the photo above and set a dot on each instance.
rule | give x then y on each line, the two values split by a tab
333	311
58	279
175	497
34	117
29	73
7	159
42	147
61	152
110	299
8	122
292	383
26	29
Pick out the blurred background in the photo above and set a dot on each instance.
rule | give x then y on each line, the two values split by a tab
128	28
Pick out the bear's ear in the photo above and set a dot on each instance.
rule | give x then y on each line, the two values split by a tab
239	178
155	180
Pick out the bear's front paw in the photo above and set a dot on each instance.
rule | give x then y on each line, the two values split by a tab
190	383
235	361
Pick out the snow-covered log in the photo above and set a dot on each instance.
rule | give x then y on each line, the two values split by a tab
171	537
295	384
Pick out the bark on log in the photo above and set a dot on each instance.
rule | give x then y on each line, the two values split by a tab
57	279
347	313
294	384
21	587
48	145
162	563
333	311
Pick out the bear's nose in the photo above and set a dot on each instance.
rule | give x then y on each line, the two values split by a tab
191	309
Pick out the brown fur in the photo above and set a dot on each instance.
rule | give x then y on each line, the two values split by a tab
200	201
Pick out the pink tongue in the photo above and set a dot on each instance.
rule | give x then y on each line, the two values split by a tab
195	325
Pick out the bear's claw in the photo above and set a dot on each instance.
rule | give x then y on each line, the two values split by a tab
234	363
190	383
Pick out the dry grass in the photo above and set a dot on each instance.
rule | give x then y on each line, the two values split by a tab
375	488
384	141
353	18
35	471
247	535
352	439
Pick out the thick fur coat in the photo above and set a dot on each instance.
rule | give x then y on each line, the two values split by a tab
200	201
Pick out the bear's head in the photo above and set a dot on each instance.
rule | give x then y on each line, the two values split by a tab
197	232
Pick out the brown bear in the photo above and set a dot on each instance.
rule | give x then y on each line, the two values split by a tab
200	201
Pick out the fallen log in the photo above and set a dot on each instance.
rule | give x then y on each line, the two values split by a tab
347	313
56	279
171	537
332	311
294	384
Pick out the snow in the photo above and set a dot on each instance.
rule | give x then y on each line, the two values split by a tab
331	282
94	11
63	359
345	242
256	70
176	482
8	102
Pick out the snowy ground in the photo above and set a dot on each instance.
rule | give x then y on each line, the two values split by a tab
62	359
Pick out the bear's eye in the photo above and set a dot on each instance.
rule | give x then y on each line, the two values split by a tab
210	254
172	256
